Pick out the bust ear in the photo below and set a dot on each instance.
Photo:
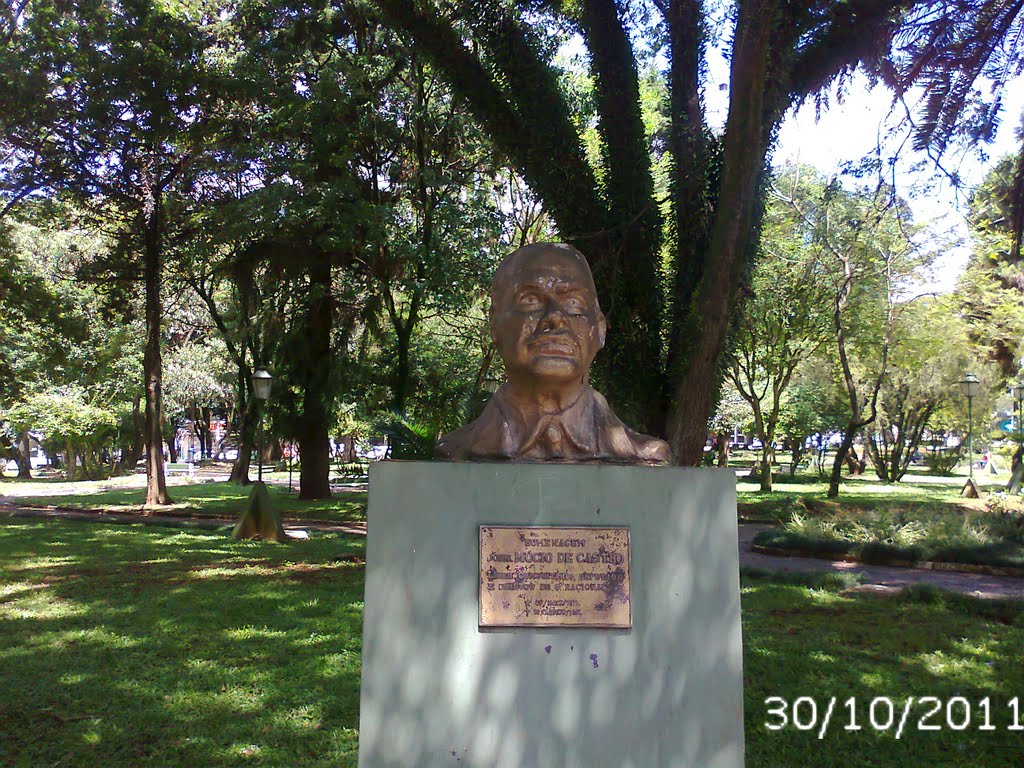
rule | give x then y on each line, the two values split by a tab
602	327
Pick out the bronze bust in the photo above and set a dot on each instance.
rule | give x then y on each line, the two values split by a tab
547	326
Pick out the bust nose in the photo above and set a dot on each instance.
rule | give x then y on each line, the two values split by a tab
553	317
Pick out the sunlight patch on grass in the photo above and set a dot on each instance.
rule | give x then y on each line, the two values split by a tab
41	564
253	632
215	499
313	640
40	606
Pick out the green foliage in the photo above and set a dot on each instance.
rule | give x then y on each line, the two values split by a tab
923	532
784	318
71	425
990	288
943	462
922	368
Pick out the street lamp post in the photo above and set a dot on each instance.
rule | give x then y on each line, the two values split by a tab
1018	395
969	388
261	381
291	462
260	520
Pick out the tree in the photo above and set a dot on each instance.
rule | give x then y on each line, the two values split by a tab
993	283
812	411
126	91
71	424
731	412
875	255
441	222
197	382
783	319
61	331
496	57
922	368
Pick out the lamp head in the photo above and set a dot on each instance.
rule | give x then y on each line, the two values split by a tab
970	385
261	381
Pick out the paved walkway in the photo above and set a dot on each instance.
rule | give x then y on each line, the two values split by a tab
874	577
880	578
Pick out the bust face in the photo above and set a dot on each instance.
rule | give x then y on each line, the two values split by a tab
545	319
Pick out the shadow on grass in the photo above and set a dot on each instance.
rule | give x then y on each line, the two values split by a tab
176	648
126	647
218	499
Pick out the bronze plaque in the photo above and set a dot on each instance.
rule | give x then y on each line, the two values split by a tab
554	576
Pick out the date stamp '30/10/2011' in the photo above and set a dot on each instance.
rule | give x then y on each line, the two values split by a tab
921	713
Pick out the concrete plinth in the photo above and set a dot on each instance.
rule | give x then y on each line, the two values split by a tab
439	691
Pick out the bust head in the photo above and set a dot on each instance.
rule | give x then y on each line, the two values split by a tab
545	319
547	325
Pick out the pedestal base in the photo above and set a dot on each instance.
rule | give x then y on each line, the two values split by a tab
439	691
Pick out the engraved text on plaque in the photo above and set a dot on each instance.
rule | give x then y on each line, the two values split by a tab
554	576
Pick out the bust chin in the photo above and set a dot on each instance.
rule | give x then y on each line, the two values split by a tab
547	325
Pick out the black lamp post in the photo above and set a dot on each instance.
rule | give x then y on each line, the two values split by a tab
261	381
969	388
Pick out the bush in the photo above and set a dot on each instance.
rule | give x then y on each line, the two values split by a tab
943	463
994	537
882	553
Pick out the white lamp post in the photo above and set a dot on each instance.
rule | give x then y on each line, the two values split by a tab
261	381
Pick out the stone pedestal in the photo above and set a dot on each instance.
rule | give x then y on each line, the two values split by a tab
437	690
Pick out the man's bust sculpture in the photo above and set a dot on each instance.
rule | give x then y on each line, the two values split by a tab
547	327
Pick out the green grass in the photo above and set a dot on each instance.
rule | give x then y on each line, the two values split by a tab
921	519
218	499
937	532
819	642
128	646
864	491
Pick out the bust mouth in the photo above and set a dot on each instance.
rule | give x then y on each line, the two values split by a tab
553	346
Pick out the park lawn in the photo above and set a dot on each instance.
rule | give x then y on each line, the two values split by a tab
823	642
124	646
920	519
809	493
211	499
865	488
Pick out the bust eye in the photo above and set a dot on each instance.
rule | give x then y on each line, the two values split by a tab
528	301
575	306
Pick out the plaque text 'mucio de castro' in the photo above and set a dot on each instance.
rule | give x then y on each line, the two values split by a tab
554	576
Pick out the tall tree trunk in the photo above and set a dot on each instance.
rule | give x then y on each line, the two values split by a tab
625	249
694	170
71	462
767	456
130	457
753	113
402	367
24	449
152	364
841	455
248	413
312	428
